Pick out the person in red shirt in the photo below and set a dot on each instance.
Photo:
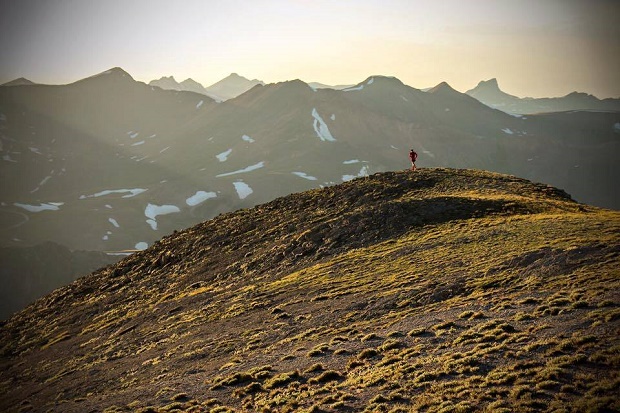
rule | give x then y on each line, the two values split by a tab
413	156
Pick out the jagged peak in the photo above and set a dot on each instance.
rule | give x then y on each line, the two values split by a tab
295	82
490	84
163	79
576	94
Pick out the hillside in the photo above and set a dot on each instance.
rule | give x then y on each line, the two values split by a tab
440	290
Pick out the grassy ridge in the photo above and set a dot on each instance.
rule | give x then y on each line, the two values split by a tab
437	291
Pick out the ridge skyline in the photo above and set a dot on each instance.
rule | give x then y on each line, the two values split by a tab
493	81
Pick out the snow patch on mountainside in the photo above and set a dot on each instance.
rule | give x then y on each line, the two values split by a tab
132	193
248	139
320	127
43	182
199	104
114	222
360	87
363	172
244	170
152	223
243	189
199	197
223	157
354	88
305	176
50	206
141	245
152	211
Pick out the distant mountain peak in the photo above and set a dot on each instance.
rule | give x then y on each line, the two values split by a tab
489	84
443	88
115	73
382	78
489	93
488	90
232	86
580	95
21	81
190	81
374	80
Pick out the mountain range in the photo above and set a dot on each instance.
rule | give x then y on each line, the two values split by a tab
434	291
111	164
227	88
489	93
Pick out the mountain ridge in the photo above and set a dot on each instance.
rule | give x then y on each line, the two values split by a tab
489	93
416	291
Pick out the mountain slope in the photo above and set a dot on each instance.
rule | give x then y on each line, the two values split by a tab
431	291
489	93
28	273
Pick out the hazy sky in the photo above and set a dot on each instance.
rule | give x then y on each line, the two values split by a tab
533	47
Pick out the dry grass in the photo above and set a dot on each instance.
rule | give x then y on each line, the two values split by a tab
497	295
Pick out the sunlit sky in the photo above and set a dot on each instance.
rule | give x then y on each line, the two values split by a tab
533	47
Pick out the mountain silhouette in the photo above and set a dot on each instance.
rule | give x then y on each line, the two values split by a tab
22	81
232	86
489	93
437	290
188	85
